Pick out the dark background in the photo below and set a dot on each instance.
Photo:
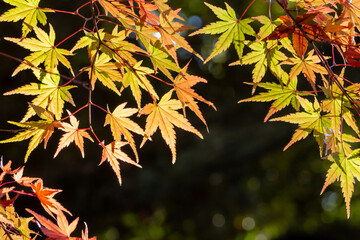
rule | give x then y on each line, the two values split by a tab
237	183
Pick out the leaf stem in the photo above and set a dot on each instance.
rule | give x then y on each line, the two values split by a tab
247	8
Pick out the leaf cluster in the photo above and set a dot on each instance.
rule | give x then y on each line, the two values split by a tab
329	109
116	62
12	226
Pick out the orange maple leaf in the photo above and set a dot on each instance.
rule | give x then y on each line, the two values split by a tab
7	169
45	195
146	11
300	32
169	30
182	84
61	231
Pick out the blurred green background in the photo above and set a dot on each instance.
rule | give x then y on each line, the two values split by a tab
237	183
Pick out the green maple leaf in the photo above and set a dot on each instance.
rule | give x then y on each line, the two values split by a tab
25	9
160	59
135	77
345	167
309	121
90	40
265	55
232	30
49	95
268	27
44	51
281	95
36	130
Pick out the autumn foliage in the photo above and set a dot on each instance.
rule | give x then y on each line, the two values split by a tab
116	62
131	46
328	110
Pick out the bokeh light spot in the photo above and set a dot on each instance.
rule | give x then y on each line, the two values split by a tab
248	223
329	201
218	220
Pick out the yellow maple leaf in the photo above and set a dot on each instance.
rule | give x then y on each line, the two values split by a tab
112	152
163	115
37	131
44	51
25	9
73	134
120	124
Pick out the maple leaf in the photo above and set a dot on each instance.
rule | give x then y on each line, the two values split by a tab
135	76
146	33
346	167
267	28
182	84
49	94
170	38
91	41
112	152
339	106
308	66
46	198
73	134
119	49
232	30
37	131
265	55
163	115
146	12
61	231
281	94
106	72
24	181
18	227
159	59
25	9
297	30
84	234
334	141
300	42
118	10
352	55
44	51
5	220
120	124
6	169
115	8
351	10
112	44
287	27
7	201
309	121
